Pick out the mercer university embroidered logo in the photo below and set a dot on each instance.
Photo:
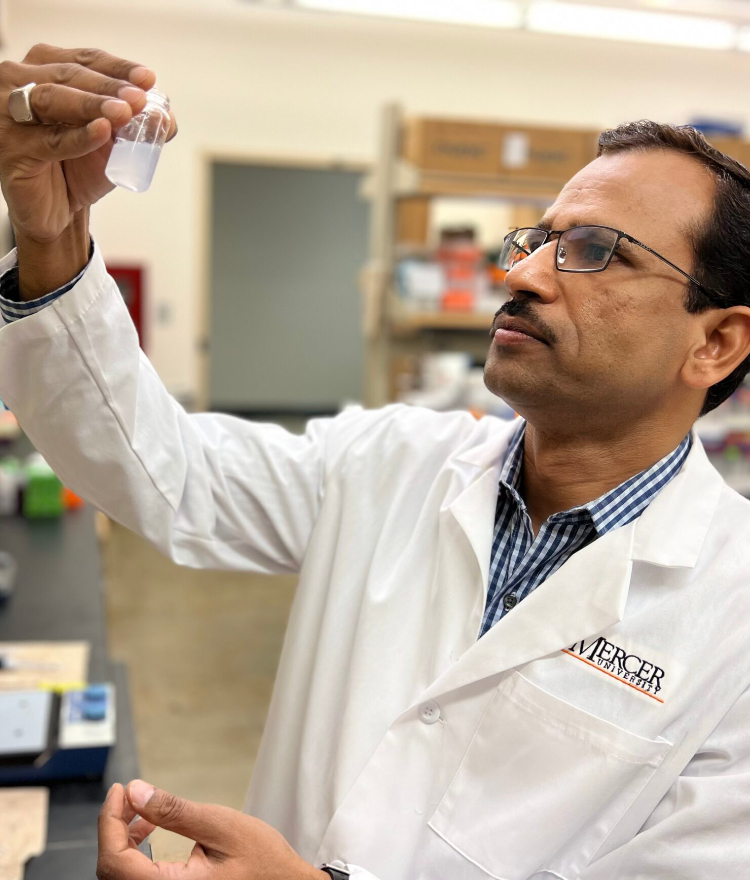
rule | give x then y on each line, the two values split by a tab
630	669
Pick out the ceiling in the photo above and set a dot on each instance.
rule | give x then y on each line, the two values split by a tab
732	10
701	23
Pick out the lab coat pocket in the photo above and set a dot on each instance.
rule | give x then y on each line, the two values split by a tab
542	784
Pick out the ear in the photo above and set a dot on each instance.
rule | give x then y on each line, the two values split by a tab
724	344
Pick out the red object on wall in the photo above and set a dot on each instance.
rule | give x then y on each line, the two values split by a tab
129	280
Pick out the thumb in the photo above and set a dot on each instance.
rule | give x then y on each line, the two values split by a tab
206	824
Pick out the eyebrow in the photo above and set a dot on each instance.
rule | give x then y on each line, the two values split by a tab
547	225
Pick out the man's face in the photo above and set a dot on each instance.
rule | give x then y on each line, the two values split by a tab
615	339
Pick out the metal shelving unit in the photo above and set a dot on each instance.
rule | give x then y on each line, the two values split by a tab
392	330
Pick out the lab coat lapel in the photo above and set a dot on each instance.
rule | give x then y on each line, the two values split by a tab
474	509
587	594
583	597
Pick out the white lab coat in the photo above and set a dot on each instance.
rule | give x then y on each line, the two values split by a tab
396	741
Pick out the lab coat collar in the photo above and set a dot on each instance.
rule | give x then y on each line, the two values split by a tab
587	594
492	452
671	530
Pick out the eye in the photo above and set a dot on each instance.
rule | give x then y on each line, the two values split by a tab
596	252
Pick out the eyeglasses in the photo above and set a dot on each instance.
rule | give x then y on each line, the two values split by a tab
579	249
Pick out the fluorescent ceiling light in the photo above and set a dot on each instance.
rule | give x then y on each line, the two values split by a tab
639	26
743	39
488	13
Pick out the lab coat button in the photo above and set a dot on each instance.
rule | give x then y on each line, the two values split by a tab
510	601
430	712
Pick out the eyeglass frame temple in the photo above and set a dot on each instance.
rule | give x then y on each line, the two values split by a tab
620	234
663	259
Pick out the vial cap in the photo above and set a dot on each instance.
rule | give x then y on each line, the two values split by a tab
154	96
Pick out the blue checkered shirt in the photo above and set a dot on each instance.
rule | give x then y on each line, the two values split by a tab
521	562
12	307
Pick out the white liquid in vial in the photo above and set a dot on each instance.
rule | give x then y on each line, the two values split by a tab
132	165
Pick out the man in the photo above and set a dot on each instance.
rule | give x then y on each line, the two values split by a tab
516	650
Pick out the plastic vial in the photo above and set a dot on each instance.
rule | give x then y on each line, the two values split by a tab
138	144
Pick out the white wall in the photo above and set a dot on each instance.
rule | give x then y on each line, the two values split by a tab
247	80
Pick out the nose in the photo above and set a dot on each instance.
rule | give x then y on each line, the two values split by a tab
535	277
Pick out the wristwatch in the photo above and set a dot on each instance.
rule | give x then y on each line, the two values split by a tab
335	873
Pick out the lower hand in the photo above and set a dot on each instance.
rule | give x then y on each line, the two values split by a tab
228	845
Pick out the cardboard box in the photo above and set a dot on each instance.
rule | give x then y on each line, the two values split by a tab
453	146
554	154
413	220
514	152
734	147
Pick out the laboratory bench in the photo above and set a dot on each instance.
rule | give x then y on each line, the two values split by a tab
59	596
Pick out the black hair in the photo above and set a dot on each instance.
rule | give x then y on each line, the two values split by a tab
724	270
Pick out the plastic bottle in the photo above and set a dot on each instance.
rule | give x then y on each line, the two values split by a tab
138	145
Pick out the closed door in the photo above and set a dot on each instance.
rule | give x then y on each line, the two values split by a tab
287	247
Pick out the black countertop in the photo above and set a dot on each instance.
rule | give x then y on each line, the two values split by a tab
59	596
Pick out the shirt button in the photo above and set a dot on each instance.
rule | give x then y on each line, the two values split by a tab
430	712
510	600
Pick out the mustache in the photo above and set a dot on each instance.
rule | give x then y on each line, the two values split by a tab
520	308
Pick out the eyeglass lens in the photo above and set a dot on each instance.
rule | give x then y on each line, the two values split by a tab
581	249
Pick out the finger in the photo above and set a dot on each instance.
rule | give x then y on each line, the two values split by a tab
128	813
61	104
56	102
14	75
87	98
172	127
67	93
94	59
218	828
117	859
113	831
133	865
139	831
53	143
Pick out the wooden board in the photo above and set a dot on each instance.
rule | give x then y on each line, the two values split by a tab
23	819
44	664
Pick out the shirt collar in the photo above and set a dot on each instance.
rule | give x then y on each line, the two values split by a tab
510	474
612	509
